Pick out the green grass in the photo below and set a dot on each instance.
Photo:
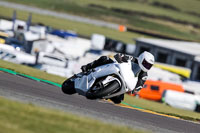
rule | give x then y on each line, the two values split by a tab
16	117
80	28
31	71
138	21
146	104
183	5
162	108
137	5
146	7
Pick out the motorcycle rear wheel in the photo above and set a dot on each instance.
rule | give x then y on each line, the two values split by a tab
68	86
100	93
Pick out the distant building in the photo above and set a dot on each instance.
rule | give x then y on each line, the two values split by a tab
179	53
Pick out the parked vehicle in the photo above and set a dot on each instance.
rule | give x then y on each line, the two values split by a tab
64	34
9	53
15	43
51	59
153	90
3	37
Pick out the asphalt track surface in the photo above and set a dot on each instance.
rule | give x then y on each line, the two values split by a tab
43	94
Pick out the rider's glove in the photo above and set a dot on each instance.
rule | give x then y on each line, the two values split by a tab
84	69
136	90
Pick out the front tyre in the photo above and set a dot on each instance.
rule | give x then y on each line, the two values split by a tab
68	86
102	92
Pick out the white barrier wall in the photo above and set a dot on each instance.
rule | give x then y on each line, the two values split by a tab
180	100
98	41
5	24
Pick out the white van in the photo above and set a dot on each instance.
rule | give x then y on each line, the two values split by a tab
10	54
51	59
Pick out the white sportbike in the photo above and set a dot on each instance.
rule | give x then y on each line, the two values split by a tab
104	82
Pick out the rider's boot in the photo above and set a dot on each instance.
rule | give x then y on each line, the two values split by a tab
86	68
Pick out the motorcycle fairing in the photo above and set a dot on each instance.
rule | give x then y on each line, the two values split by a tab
123	71
82	83
85	82
127	74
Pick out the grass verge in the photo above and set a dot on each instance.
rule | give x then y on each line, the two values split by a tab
132	14
162	108
80	28
27	118
31	71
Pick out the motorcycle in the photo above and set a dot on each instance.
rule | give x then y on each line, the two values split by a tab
104	82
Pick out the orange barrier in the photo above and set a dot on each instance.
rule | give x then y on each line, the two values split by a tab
153	90
122	28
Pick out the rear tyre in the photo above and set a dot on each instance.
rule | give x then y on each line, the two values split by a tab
68	86
101	92
117	99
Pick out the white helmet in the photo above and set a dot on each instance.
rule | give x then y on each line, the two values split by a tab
146	61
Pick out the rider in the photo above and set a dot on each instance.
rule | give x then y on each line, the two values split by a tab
145	61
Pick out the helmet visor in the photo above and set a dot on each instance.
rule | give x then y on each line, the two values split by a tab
146	64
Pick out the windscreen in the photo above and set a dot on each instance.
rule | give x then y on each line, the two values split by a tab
136	69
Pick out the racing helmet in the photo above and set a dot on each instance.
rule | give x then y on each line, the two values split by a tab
146	61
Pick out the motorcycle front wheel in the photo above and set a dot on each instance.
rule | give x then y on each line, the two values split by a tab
101	92
68	86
